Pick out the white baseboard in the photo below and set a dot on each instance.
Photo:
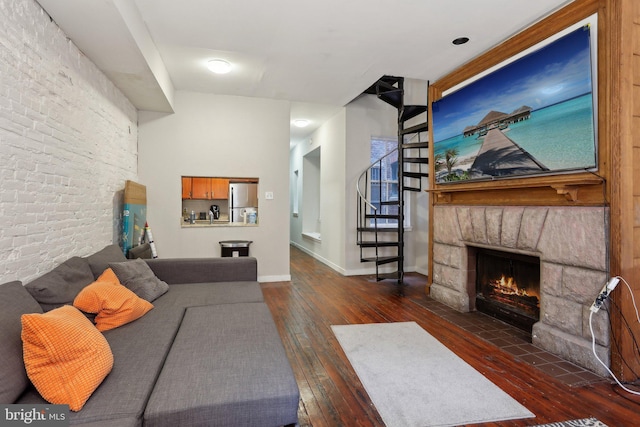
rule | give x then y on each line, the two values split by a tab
367	269
320	258
422	271
282	278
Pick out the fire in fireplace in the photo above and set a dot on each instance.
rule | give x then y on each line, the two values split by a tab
508	287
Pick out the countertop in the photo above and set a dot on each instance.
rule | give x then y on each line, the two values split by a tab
222	222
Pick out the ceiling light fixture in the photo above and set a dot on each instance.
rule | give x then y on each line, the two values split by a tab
219	66
460	40
301	123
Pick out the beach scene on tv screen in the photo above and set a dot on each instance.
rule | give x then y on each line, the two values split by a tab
532	116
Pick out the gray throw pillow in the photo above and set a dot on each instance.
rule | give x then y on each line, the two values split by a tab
141	251
139	278
99	261
14	302
61	285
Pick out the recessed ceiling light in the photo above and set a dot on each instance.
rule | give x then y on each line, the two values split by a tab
219	66
460	40
301	123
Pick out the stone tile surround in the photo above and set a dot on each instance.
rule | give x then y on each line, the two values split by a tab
571	243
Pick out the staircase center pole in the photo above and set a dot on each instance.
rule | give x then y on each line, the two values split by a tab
401	188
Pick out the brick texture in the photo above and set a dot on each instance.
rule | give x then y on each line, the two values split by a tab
68	142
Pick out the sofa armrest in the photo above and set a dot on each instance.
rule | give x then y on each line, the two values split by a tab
203	270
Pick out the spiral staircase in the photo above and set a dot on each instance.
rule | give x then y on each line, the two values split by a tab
379	242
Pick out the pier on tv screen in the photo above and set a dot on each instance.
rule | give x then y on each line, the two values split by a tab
533	116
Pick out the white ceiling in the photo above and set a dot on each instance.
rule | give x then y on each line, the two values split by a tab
318	54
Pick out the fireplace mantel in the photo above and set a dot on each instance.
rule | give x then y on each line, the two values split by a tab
578	189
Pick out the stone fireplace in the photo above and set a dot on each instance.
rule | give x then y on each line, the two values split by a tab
570	243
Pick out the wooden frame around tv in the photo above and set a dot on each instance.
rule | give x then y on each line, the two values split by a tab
563	189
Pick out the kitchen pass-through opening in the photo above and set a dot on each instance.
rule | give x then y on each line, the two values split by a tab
507	287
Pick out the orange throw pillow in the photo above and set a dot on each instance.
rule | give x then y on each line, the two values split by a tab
65	356
114	304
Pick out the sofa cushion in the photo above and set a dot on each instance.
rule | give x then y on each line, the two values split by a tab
113	304
14	302
61	285
141	251
201	270
137	276
99	261
65	356
195	294
248	378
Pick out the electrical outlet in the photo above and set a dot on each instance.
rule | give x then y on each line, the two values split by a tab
604	294
598	302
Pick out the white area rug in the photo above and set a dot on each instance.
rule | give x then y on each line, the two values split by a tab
414	380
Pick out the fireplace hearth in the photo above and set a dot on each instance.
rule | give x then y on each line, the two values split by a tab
508	287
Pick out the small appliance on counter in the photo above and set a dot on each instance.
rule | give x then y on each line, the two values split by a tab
215	211
250	216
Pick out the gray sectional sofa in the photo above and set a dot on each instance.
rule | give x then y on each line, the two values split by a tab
207	354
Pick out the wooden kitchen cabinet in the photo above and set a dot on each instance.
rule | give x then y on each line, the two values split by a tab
186	187
220	188
205	188
200	188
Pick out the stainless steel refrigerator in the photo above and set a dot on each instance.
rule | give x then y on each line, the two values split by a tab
243	199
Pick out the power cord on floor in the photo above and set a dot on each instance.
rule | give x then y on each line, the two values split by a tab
593	337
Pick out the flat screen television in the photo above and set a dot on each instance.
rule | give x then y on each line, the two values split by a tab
533	116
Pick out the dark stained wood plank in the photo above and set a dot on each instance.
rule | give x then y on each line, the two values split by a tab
331	393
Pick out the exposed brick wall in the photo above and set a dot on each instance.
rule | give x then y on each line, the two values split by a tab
68	142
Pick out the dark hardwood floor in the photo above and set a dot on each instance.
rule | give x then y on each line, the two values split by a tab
331	394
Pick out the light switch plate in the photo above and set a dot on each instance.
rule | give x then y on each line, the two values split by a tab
268	195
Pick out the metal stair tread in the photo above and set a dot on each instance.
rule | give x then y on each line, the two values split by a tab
382	216
421	144
381	259
373	244
410	111
423	160
421	127
387	82
415	174
379	229
393	98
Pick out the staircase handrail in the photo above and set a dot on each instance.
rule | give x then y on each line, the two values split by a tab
363	174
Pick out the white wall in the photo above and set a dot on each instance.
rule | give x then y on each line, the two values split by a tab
214	135
67	145
330	139
311	191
